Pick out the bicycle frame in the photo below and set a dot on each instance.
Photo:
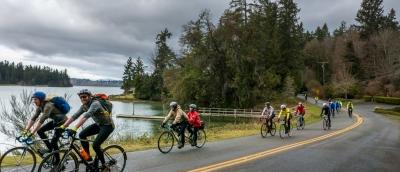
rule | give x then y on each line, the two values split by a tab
75	148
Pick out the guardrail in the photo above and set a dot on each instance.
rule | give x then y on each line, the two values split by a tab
229	112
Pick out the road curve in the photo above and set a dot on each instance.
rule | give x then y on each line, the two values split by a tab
331	154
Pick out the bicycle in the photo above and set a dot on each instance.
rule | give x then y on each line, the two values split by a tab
169	135
325	123
282	129
25	155
114	155
265	128
350	111
301	123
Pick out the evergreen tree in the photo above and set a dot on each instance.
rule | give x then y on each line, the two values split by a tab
390	21
164	59
127	76
370	17
341	30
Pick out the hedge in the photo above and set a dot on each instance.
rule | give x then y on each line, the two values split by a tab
387	100
386	111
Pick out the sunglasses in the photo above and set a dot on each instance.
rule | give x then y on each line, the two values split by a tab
83	97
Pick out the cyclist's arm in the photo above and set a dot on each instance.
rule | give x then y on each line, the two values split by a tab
167	117
48	108
94	107
262	113
33	119
73	117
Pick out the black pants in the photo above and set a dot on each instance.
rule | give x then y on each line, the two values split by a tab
193	132
52	146
102	131
181	127
329	120
269	121
287	125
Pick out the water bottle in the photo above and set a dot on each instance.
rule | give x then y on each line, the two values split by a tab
84	154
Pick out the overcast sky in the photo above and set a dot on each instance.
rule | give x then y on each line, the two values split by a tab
93	38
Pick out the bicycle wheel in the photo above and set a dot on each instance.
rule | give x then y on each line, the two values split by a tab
68	162
115	157
281	130
165	142
298	124
273	129
201	138
303	124
264	130
18	159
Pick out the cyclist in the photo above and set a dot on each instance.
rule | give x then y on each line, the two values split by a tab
316	99
350	108
180	121
103	124
301	111
194	122
285	112
268	113
326	111
338	106
48	110
332	107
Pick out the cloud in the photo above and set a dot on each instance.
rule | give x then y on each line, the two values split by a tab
93	38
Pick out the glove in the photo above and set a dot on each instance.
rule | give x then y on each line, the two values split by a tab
24	132
60	128
162	125
71	131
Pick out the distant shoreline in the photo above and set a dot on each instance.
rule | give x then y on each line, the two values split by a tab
33	85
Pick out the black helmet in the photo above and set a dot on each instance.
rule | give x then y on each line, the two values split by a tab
84	91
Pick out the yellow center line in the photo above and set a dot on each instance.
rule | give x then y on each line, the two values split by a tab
269	152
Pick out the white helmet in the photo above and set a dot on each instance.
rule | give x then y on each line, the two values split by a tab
173	105
324	104
283	106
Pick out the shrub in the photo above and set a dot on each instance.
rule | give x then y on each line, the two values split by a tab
388	100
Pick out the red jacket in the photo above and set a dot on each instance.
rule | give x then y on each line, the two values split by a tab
300	110
194	118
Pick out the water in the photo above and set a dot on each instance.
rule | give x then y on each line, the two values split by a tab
124	127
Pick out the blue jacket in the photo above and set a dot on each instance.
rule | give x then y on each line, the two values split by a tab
333	105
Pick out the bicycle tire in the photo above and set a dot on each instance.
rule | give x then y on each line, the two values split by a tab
49	159
324	124
4	166
273	129
202	137
168	146
304	124
264	130
114	154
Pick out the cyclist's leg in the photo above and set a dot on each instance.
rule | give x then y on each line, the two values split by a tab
105	131
329	120
41	132
182	127
195	130
88	131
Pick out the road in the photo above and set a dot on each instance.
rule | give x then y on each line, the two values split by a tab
372	146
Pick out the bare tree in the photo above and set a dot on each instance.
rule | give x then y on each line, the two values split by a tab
13	120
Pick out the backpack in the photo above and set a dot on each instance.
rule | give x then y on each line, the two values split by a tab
61	104
105	103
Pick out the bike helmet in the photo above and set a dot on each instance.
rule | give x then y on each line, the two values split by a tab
193	106
84	91
39	95
324	104
173	105
267	103
283	106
